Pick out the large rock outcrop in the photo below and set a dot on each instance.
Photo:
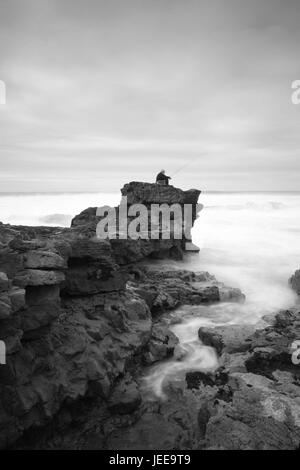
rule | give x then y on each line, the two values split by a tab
256	403
251	402
67	320
71	322
147	194
80	318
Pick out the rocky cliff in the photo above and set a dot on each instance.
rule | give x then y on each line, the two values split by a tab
76	312
147	194
82	318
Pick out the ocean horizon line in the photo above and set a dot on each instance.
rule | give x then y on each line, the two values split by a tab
55	193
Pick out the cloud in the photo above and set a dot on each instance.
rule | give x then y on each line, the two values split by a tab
104	92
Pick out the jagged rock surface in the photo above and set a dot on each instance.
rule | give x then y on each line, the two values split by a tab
70	324
81	318
257	403
130	251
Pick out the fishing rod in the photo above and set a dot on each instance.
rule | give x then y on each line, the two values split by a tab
184	166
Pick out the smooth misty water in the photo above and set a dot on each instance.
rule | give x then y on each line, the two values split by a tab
248	241
49	209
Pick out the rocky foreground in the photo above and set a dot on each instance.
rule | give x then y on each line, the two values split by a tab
81	320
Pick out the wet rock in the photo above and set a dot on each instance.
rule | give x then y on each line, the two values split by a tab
258	417
161	344
264	360
230	294
151	432
235	362
67	354
125	398
181	351
233	408
165	290
195	378
165	425
259	406
271	347
74	326
230	339
285	319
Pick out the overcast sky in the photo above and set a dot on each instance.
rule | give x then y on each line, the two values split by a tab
104	92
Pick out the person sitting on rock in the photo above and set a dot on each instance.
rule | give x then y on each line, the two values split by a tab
162	178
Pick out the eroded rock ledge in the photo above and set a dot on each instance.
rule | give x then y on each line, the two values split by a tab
76	314
255	403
